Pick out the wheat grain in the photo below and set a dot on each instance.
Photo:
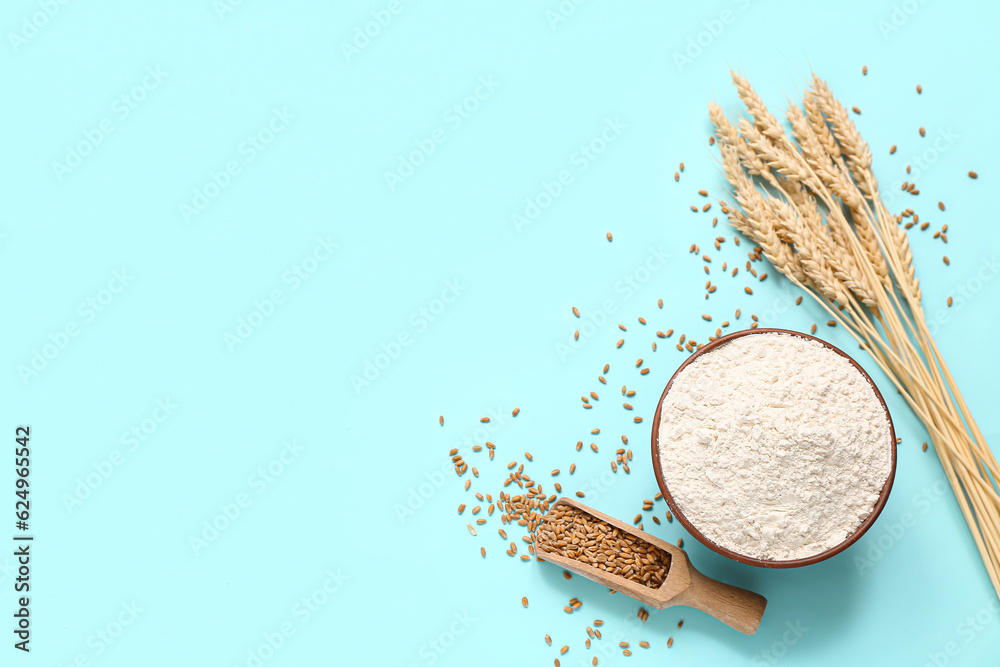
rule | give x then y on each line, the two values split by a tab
572	533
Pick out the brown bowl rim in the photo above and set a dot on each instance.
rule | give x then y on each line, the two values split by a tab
758	562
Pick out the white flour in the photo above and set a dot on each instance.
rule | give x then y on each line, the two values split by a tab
774	446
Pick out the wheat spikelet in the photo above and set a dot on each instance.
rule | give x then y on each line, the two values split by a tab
763	119
763	216
818	123
791	165
837	245
859	157
905	254
859	162
841	185
757	218
774	156
812	205
814	261
727	134
724	130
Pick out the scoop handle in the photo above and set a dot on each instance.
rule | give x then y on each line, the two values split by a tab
738	608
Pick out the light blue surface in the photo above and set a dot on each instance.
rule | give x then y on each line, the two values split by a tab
287	136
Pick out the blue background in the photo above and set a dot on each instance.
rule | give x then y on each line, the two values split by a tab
276	123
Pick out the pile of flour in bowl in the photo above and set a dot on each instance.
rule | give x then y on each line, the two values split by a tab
774	446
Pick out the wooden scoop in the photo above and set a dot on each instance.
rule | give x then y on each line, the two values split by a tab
684	585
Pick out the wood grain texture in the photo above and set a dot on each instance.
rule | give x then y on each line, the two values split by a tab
736	607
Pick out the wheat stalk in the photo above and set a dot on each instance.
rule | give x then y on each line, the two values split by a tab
811	202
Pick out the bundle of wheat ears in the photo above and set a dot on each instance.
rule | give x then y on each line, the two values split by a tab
811	202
